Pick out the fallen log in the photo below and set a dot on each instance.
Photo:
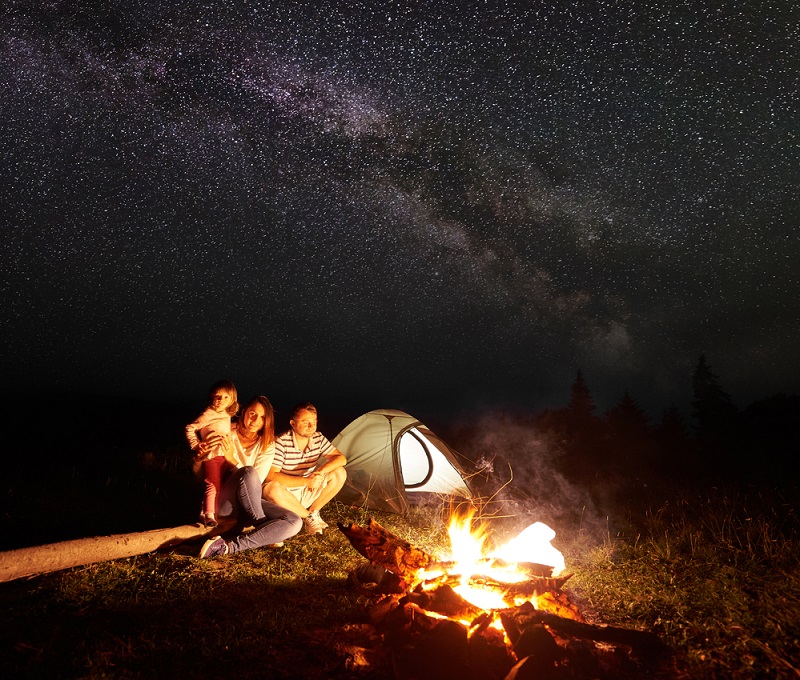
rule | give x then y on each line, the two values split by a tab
25	562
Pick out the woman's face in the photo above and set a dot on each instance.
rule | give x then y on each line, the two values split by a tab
253	418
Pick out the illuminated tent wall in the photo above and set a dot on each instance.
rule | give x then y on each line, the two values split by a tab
394	460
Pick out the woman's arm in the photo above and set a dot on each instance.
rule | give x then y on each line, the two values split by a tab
208	445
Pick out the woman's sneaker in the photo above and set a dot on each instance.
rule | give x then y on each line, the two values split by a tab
214	547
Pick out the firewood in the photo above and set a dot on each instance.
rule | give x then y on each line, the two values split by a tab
488	656
534	585
389	551
529	568
373	578
443	600
526	615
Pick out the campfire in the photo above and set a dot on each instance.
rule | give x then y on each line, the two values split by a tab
485	613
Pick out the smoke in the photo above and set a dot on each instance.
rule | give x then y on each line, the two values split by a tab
521	479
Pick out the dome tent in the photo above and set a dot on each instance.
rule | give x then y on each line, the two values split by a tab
394	460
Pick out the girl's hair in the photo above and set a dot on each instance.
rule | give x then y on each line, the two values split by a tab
268	431
230	388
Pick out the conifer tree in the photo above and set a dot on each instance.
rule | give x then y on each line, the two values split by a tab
581	430
628	436
581	405
715	417
712	406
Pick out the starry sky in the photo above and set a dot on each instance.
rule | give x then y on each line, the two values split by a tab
400	204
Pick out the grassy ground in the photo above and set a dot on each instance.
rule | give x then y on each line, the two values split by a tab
714	573
716	576
271	613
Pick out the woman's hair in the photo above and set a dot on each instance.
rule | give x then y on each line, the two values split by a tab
268	431
230	388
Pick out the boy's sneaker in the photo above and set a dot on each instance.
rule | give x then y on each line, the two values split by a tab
314	524
214	547
321	521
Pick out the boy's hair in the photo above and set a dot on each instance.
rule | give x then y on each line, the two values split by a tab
228	387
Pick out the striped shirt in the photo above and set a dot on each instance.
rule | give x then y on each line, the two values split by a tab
292	460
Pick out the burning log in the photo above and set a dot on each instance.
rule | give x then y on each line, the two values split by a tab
443	600
517	621
391	552
532	569
429	645
534	585
437	627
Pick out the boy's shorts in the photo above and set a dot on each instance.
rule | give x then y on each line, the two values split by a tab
305	495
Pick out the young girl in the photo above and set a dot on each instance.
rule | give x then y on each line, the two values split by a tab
216	418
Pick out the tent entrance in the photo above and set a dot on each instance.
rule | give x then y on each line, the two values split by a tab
423	466
416	462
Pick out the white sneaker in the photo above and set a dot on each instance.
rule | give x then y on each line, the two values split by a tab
313	524
321	521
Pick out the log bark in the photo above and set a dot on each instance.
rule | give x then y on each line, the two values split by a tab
515	621
534	585
529	568
382	547
26	562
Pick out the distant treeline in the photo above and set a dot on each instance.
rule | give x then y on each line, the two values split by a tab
720	443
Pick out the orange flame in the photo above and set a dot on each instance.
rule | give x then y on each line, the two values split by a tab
468	537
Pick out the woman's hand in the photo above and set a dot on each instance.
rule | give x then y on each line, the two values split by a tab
226	449
211	443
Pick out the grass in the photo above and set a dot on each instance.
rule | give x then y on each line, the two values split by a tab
716	577
272	613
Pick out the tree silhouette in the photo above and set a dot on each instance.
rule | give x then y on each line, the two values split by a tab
716	424
676	450
628	437
578	431
581	404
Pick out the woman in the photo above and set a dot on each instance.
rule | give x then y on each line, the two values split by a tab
249	450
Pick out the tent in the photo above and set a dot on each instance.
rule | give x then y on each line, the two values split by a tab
394	460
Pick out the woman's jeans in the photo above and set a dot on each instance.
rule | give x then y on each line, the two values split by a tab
240	497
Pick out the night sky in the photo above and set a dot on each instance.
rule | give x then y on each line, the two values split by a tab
386	205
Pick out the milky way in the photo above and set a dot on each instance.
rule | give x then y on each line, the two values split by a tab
393	206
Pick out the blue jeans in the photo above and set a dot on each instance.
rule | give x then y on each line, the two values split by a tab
240	497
